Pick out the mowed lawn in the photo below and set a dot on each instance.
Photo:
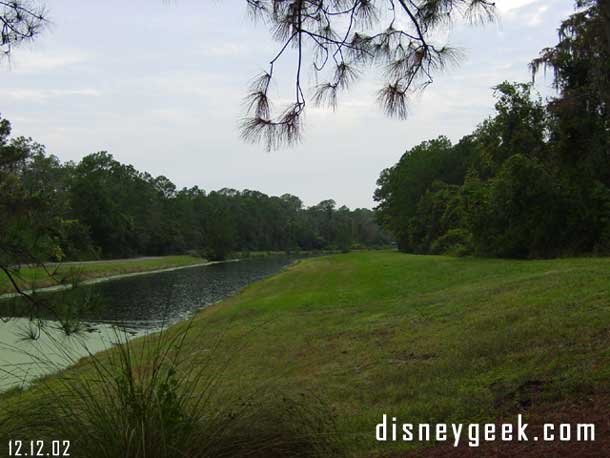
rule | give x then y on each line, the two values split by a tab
38	277
422	338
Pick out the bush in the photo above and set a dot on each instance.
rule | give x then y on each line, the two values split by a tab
456	242
151	404
602	247
76	243
519	215
438	211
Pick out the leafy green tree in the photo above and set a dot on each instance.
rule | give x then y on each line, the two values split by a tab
366	232
508	189
99	192
102	208
581	66
30	204
344	231
522	212
220	232
32	226
438	211
401	187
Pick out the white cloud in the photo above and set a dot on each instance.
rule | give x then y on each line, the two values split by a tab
28	61
43	94
224	49
508	5
538	17
531	13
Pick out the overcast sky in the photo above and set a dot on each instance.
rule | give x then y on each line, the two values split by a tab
159	84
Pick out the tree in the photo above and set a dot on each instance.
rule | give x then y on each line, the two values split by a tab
581	66
32	203
522	214
30	215
340	38
20	21
220	233
438	211
401	187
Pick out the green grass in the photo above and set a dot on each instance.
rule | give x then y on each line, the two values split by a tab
422	338
38	277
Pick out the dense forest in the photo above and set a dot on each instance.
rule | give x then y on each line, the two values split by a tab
100	208
531	181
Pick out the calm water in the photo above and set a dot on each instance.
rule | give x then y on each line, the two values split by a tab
140	304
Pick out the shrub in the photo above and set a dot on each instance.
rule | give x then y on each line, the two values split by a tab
152	403
456	242
602	247
438	211
519	216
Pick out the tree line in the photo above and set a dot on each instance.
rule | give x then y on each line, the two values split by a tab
531	181
101	208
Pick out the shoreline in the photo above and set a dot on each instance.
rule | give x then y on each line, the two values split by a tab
93	281
377	315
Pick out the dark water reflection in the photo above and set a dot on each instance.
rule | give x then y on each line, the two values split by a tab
138	305
151	300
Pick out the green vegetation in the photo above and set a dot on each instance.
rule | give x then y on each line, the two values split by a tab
38	277
533	181
100	208
148	401
359	35
424	338
427	339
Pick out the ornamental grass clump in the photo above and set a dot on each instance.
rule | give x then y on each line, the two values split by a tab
148	398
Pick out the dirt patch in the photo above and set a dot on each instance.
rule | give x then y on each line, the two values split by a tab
522	397
595	409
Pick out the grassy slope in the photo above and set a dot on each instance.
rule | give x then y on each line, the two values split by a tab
423	338
91	270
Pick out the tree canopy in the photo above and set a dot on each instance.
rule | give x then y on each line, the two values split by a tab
531	181
100	207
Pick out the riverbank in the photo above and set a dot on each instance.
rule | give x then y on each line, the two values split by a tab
304	253
89	271
426	339
57	276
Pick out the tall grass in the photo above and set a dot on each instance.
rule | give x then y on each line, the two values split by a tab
147	399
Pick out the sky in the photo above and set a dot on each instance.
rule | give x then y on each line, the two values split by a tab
160	84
